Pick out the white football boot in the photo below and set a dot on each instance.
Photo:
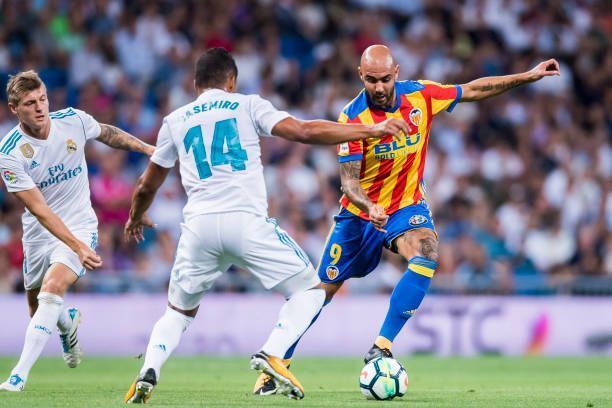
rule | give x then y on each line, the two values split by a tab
13	384
72	352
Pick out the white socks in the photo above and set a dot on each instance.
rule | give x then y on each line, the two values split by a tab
38	332
165	337
294	318
64	322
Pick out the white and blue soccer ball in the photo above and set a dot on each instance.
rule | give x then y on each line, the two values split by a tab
383	379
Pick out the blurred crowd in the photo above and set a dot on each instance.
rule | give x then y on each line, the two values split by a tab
520	185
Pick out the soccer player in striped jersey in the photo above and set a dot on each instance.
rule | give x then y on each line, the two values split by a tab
42	161
383	205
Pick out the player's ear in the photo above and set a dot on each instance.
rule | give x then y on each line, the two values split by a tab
360	73
396	72
12	108
231	83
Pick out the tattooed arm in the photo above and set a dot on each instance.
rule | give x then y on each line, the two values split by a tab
119	139
349	176
486	87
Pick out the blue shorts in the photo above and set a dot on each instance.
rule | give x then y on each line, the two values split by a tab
354	246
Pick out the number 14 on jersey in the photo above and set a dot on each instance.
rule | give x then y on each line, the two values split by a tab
226	133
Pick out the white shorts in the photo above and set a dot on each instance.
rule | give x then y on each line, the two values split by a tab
38	257
211	243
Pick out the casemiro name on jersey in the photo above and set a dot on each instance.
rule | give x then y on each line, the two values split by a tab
208	106
58	175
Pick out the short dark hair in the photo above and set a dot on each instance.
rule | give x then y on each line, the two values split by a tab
214	67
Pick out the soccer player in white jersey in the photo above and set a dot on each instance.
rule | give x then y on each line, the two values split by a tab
42	161
216	141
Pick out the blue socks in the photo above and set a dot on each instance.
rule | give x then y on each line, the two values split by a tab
408	295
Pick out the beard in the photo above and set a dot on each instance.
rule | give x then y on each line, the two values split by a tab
383	100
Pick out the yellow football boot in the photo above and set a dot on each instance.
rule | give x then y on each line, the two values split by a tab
141	389
286	383
265	385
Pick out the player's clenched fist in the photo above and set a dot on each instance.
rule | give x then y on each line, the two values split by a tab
392	126
378	217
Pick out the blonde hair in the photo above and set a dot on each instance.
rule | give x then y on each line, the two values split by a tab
20	83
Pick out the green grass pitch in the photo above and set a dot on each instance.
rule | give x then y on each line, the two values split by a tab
332	382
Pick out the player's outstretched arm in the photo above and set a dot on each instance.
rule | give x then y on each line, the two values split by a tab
349	177
120	139
36	204
145	191
486	87
328	132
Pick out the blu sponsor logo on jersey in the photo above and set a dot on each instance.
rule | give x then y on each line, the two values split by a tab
401	148
397	149
58	175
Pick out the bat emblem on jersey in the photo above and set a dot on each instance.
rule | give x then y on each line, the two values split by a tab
27	150
415	116
332	272
71	146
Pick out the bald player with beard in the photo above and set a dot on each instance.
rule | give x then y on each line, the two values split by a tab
384	204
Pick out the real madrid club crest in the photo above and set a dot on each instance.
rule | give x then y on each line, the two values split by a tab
27	150
71	146
332	272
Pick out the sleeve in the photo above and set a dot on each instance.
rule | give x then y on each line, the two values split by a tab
14	174
349	151
165	153
442	97
91	127
264	115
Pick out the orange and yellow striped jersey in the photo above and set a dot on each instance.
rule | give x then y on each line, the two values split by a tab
391	169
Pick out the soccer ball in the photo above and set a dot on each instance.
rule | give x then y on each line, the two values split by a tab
383	379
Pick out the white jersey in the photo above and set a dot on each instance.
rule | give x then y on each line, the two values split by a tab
216	140
57	167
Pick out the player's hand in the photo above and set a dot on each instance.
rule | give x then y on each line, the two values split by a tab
135	228
393	126
88	257
544	69
149	150
378	217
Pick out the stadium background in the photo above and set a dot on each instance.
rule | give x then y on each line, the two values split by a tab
520	185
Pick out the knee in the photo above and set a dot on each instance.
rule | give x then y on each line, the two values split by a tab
54	285
428	247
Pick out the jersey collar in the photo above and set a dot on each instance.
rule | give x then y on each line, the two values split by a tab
398	102
35	140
